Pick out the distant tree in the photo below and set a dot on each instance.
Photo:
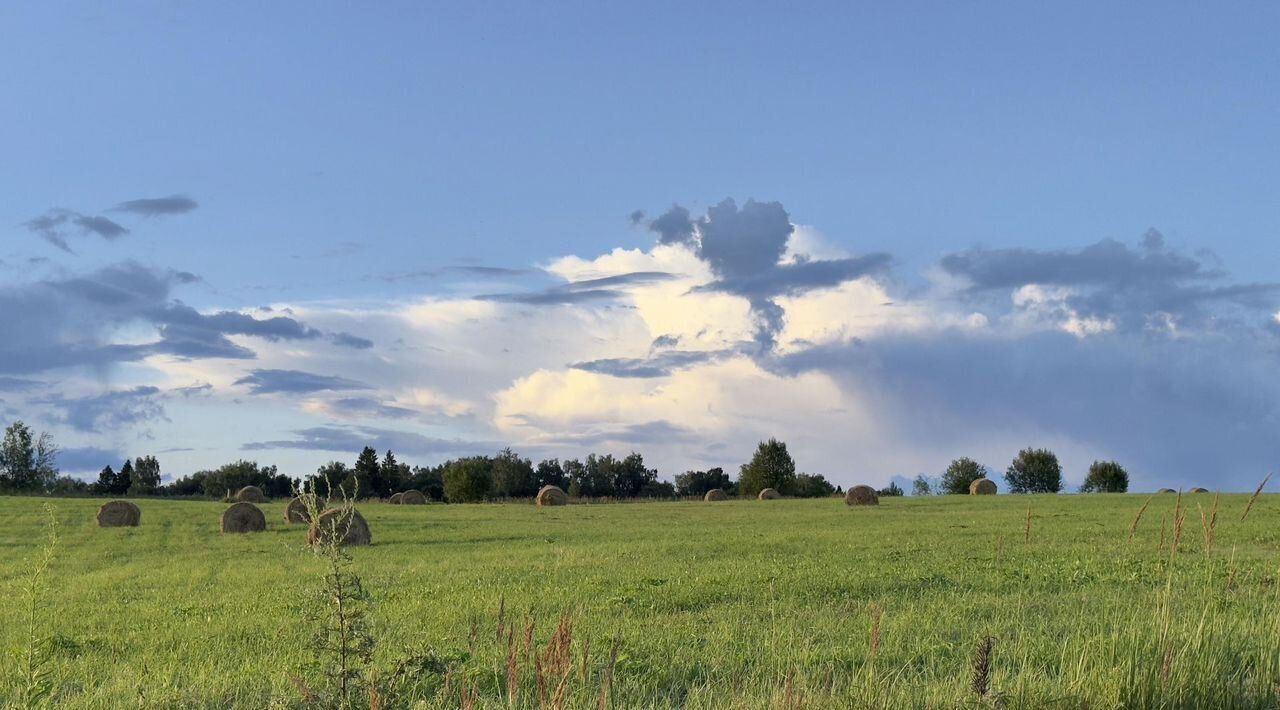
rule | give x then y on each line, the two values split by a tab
107	482
429	480
27	463
368	475
550	473
232	477
657	489
468	480
891	491
962	472
395	474
146	476
921	486
124	478
575	472
1106	477
811	485
334	476
697	483
595	476
68	486
1034	471
513	477
631	478
770	467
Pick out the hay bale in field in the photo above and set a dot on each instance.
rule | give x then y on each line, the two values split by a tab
412	497
395	498
344	522
769	494
119	514
982	487
296	512
243	517
552	495
249	494
862	495
1198	490
715	494
1166	490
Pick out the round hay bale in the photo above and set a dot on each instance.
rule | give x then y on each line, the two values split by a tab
1166	490
296	512
249	494
861	495
412	497
552	495
344	522
119	514
395	498
243	518
982	487
714	495
1198	490
769	494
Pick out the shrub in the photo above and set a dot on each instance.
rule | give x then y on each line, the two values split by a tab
697	483
468	480
960	474
922	486
893	490
1034	471
1106	477
811	485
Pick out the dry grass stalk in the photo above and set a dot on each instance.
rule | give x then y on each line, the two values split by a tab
606	687
1138	518
1026	532
981	683
999	550
1254	497
502	619
528	641
586	659
513	670
788	692
1178	519
1164	519
873	645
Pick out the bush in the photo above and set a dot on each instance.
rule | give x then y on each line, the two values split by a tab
770	467
892	491
958	476
1034	471
468	480
811	485
697	483
924	486
1106	477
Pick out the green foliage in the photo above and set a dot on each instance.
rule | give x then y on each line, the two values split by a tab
231	478
1034	471
770	467
146	476
468	480
811	485
513	477
697	483
962	472
550	473
893	490
429	480
369	480
923	485
35	657
27	462
1106	477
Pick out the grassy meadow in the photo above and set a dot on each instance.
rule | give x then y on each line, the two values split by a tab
741	604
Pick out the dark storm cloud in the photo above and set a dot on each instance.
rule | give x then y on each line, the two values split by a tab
1188	411
115	409
1111	280
347	340
601	289
56	225
295	382
743	247
64	322
659	365
331	438
157	206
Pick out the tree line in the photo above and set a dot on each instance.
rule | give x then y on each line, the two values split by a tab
28	465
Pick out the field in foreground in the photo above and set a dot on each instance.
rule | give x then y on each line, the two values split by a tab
738	604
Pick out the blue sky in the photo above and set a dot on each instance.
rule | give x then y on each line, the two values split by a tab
365	173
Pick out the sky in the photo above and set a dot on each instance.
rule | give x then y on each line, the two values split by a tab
890	236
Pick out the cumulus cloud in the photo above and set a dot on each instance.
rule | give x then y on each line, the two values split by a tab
158	206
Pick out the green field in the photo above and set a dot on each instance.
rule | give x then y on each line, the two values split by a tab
737	604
